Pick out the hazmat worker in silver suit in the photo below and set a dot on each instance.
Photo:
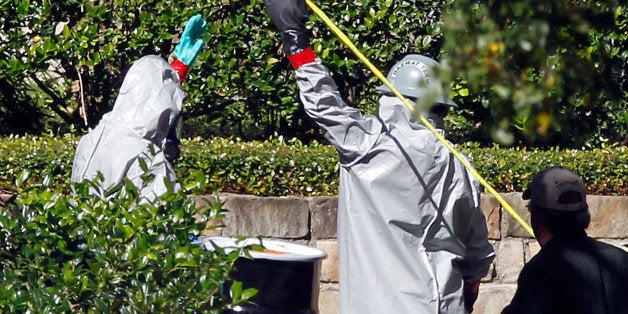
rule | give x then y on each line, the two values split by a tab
411	236
141	127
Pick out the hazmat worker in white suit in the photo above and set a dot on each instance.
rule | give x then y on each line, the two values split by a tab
412	238
141	126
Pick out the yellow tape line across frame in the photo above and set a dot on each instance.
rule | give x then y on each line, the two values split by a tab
449	146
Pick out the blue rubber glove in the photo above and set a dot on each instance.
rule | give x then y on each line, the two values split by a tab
191	42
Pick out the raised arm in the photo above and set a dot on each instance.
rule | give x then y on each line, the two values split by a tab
345	127
189	46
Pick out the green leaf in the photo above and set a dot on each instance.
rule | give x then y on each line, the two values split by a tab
68	274
143	164
249	293
236	291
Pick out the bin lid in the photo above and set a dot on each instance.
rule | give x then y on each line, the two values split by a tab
273	249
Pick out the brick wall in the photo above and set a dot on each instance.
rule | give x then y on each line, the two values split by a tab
312	221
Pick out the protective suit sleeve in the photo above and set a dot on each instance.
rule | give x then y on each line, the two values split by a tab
352	133
479	252
304	57
146	108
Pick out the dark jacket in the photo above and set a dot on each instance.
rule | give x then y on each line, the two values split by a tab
573	275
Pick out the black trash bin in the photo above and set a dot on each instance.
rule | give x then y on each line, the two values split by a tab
285	274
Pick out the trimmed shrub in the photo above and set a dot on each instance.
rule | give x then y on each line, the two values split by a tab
273	167
279	167
604	170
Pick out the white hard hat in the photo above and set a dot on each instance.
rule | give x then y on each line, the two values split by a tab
410	75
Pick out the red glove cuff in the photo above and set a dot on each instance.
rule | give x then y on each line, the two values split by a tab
304	57
181	68
470	287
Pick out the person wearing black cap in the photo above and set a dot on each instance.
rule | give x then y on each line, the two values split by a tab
572	273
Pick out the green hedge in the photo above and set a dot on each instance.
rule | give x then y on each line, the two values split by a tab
279	167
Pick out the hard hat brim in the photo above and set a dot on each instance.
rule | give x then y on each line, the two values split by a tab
414	93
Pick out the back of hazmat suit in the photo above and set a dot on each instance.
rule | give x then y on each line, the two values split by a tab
141	126
410	231
146	109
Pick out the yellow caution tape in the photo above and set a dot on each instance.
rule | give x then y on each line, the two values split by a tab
449	146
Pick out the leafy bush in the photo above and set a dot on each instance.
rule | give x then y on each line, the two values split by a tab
551	73
75	252
67	58
604	170
41	155
273	167
279	167
62	63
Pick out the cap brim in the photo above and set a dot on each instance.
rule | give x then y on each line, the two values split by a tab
384	90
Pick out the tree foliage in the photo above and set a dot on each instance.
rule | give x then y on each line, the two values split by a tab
548	72
526	69
70	55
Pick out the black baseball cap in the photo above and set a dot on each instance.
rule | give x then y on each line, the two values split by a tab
557	188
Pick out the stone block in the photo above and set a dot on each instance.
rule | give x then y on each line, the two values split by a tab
509	260
531	248
491	209
275	217
622	243
493	298
328	299
609	216
324	211
490	276
329	266
512	227
205	200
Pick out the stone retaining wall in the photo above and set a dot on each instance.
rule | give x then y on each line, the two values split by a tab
312	221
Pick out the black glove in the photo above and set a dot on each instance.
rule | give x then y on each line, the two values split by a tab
172	150
290	17
471	291
171	147
469	300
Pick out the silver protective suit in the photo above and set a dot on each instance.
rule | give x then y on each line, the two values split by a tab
147	106
409	225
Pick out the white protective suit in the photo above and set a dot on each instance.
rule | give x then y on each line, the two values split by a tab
147	106
409	224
